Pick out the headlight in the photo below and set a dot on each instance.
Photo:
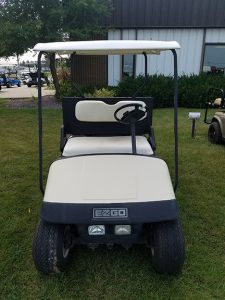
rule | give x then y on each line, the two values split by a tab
122	229
96	230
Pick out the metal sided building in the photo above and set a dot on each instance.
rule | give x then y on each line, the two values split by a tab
198	25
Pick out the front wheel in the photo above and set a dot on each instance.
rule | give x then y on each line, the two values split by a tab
167	247
214	133
52	247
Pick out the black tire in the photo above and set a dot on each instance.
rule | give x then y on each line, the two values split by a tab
29	85
8	85
214	133
167	246
19	85
52	247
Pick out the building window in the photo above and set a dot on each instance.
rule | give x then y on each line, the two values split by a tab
128	65
214	59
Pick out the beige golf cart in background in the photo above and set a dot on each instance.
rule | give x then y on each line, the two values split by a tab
216	132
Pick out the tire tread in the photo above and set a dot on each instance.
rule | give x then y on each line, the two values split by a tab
47	248
168	247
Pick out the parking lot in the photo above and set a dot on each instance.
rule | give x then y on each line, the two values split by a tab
23	92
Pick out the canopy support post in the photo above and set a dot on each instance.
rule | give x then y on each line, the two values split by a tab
40	126
176	162
146	64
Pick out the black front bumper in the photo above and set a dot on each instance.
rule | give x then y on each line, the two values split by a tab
136	213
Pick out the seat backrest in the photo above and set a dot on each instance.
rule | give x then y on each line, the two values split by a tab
94	116
99	111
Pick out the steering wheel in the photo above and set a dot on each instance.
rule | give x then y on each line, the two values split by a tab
138	114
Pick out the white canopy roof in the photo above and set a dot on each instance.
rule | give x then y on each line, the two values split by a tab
110	47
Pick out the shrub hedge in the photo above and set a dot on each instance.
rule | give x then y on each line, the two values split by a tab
68	89
194	90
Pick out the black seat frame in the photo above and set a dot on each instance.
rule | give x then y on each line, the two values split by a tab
78	128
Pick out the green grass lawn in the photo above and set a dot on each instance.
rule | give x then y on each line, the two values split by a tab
117	273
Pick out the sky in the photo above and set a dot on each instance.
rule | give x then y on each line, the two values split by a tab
30	55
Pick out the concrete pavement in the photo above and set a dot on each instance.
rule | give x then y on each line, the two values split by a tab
23	92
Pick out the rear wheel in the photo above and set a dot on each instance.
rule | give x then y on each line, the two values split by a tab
52	247
214	133
8	85
167	247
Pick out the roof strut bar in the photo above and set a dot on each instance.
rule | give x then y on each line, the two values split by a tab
76	86
146	74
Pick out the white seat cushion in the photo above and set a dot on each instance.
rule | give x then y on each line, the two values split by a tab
112	144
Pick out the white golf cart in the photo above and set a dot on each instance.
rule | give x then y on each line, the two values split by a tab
108	186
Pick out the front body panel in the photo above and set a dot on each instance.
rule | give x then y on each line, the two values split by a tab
136	213
108	179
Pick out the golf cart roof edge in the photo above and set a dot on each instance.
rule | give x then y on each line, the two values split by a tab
108	47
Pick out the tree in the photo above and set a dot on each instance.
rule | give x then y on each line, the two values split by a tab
24	23
82	18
